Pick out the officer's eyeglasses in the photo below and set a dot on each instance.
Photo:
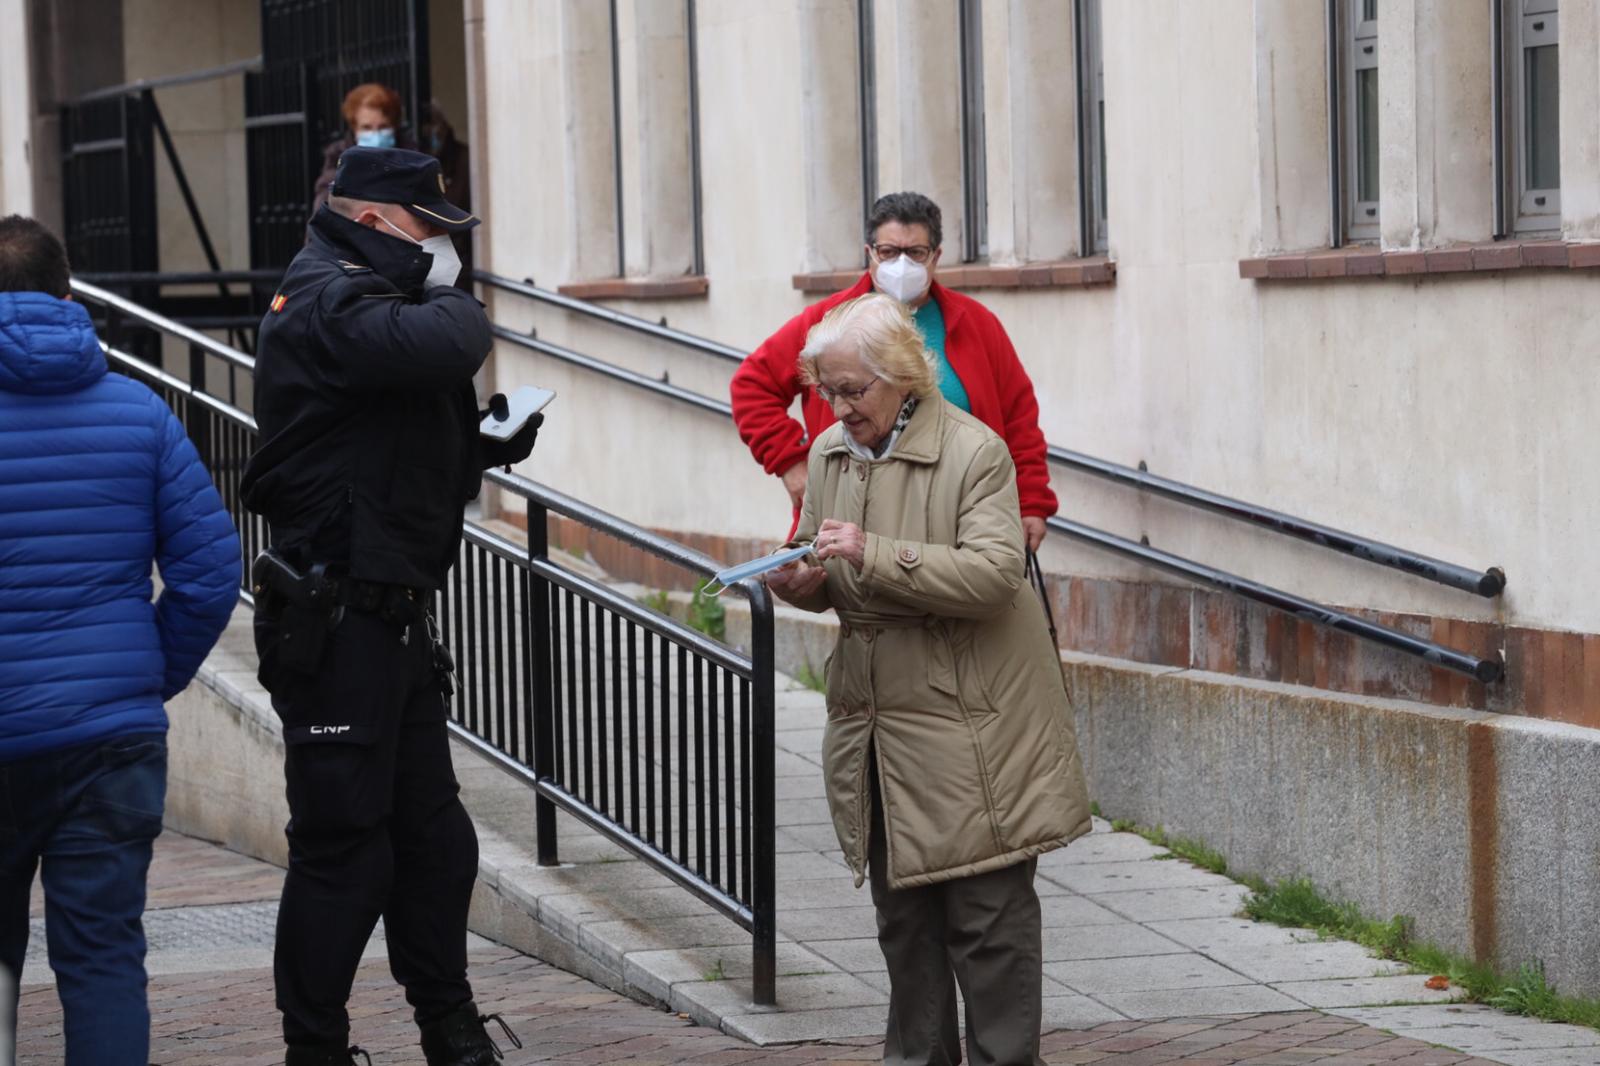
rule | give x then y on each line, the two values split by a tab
849	396
917	253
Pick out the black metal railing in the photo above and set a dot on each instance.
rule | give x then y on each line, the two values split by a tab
659	330
1485	670
638	725
1488	582
653	734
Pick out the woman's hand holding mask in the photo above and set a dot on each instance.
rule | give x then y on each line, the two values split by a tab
795	582
841	540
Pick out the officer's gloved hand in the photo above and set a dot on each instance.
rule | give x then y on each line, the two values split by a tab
517	448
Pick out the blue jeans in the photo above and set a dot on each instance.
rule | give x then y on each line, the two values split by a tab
86	818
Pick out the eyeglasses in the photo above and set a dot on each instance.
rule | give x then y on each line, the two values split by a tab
917	253
849	396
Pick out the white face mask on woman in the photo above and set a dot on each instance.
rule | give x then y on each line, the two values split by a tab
902	278
446	263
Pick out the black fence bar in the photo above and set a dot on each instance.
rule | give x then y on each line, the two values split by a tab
1485	670
1483	582
544	708
606	314
761	856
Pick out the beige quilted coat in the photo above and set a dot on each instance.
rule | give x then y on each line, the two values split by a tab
943	659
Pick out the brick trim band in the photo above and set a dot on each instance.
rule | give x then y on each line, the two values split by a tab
1368	261
1062	274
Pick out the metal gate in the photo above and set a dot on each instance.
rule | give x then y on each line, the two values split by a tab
313	53
109	178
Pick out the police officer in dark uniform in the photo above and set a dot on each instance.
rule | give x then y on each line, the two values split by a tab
369	453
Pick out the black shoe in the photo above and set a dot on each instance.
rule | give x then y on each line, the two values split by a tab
325	1055
460	1039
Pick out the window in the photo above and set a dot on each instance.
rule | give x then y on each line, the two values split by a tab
1091	127
867	103
655	138
974	167
697	261
616	137
1528	86
1359	66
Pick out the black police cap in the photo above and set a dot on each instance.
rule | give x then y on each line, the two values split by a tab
398	176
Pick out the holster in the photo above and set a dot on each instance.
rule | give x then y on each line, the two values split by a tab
305	605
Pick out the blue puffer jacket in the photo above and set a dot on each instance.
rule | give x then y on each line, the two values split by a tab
97	481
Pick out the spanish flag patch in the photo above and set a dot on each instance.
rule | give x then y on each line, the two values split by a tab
278	301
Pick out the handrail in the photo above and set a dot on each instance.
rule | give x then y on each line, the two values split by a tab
616	318
1486	670
178	385
227	70
1487	583
637	536
120	278
611	370
124	306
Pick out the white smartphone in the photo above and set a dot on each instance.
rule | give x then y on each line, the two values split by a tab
521	405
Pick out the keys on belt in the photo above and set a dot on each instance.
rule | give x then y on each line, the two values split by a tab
444	664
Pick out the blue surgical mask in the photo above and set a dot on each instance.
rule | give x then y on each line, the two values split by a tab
735	574
383	138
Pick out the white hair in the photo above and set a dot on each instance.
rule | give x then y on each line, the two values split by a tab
885	338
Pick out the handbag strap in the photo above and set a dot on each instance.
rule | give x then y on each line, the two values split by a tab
1035	575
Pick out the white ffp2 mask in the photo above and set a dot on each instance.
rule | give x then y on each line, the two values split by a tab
446	263
902	278
446	266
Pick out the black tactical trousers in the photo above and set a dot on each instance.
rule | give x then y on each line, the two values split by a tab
375	828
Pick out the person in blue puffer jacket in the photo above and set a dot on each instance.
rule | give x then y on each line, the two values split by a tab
97	482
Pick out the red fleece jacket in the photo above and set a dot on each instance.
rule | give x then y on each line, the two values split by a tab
979	351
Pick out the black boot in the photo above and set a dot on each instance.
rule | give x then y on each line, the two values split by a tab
460	1039
324	1055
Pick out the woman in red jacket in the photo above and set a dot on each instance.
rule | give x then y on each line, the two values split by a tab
977	368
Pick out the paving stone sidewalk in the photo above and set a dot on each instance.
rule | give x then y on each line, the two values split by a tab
212	1004
1132	936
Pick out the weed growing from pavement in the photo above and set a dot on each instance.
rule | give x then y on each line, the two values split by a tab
1298	904
707	614
810	678
1180	847
658	601
716	972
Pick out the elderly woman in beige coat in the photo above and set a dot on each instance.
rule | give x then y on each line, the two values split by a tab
949	751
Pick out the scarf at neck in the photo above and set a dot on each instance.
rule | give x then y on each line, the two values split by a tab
861	451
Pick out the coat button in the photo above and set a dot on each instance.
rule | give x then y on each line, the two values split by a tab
908	555
861	471
867	635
